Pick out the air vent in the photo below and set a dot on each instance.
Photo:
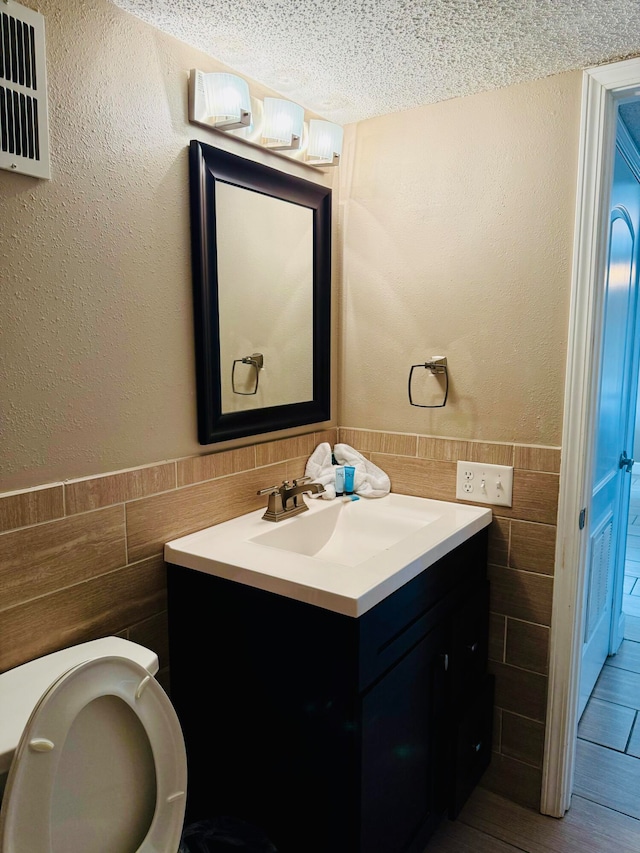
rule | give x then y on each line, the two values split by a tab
24	126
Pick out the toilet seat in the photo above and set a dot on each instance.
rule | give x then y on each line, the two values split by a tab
106	711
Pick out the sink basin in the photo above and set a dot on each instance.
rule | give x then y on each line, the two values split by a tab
347	533
345	556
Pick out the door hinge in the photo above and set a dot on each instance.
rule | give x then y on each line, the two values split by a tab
582	518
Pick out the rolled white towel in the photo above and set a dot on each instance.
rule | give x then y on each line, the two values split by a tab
321	470
369	481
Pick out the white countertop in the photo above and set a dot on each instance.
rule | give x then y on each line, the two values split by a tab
350	584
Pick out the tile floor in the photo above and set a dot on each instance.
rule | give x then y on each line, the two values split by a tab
608	753
491	824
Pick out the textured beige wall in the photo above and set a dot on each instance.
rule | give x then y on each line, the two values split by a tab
458	225
97	369
457	237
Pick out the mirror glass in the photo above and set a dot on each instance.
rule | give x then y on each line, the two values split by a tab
262	295
265	299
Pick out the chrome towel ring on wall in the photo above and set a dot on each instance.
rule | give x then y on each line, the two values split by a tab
437	366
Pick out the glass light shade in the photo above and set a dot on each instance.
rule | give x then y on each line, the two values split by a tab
325	143
228	101
282	124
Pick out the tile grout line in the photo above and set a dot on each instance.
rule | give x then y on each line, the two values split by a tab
633	725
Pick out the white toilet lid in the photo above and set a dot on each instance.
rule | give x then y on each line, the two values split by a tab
82	778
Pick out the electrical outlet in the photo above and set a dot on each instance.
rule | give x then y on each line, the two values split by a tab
484	484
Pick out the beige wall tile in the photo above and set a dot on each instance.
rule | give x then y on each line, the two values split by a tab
195	469
284	448
491	454
296	467
522	739
95	492
535	497
153	633
497	634
514	780
443	449
521	595
37	560
499	532
519	691
400	444
537	458
76	604
102	606
328	435
497	730
21	509
153	521
425	478
527	645
533	547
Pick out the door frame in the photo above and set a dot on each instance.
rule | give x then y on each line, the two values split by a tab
602	88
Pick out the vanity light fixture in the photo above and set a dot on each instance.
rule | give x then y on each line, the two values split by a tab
222	102
226	98
282	124
325	143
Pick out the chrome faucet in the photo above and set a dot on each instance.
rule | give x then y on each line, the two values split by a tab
286	499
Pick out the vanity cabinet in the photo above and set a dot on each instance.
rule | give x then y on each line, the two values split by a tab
334	734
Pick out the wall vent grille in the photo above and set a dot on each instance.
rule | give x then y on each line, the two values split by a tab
24	127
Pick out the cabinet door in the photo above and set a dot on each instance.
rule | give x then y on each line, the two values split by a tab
402	755
469	646
471	746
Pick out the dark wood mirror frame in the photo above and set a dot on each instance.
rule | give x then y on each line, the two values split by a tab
206	166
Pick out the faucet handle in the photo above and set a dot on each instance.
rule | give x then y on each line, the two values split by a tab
270	490
301	480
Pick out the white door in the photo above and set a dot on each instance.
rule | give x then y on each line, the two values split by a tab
615	416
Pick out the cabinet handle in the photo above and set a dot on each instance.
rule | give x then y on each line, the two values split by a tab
445	662
473	648
476	747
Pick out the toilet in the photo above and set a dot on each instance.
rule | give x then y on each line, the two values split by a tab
92	758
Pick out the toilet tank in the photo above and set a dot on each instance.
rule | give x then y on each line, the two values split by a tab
22	687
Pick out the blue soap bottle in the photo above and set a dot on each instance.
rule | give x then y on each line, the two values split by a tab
349	476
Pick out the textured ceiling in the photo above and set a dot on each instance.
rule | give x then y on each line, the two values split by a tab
352	59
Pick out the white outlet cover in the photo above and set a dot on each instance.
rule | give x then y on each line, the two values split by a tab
484	484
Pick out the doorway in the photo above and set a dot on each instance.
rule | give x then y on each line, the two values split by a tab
628	137
607	509
605	88
607	767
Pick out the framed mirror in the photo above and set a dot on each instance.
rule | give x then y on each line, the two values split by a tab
261	257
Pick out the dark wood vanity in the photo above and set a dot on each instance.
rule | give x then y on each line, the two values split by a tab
334	734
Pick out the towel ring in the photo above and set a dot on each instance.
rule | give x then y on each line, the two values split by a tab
438	367
257	362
